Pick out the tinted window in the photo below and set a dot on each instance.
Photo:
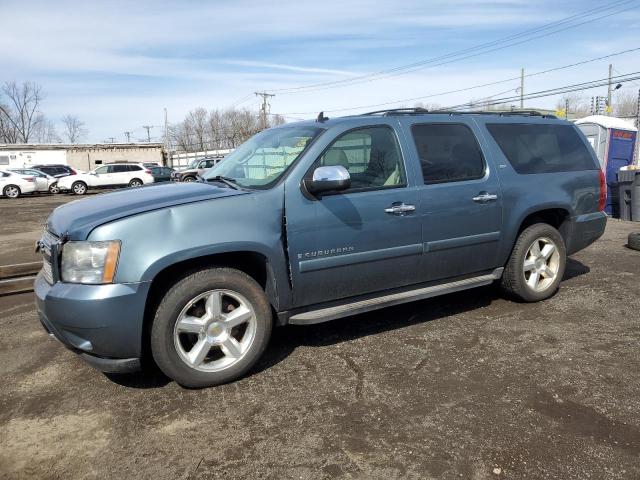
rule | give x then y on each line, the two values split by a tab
118	168
534	148
134	168
371	155
448	153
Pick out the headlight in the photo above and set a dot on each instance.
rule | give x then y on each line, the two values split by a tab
90	262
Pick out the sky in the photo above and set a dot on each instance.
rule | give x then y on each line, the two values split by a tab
117	65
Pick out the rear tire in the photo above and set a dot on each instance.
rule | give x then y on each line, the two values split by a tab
198	340
536	265
12	191
53	188
79	188
633	241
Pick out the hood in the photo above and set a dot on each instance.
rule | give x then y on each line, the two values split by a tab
76	219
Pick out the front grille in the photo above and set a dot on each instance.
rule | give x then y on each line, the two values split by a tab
48	246
46	271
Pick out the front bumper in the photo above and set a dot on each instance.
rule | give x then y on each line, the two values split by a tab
102	323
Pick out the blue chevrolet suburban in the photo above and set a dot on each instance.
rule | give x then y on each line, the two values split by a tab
315	221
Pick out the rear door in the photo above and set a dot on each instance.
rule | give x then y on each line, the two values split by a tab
460	205
362	240
120	174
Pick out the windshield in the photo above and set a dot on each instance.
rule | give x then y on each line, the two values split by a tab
193	164
265	157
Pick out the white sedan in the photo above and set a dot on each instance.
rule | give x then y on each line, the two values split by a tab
44	182
12	185
107	176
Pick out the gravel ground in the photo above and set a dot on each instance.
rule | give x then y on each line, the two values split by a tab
468	385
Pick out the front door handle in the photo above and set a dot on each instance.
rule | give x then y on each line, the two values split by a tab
400	208
484	197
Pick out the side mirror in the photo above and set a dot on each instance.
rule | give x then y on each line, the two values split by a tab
328	179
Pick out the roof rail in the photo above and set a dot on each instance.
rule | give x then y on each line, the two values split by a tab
423	111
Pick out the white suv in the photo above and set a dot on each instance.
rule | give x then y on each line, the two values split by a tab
106	176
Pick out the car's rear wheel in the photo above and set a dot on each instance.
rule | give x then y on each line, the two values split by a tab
211	327
136	182
11	191
79	188
53	188
536	265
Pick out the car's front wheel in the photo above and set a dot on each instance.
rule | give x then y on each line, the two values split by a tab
536	264
11	191
79	188
189	179
211	327
136	182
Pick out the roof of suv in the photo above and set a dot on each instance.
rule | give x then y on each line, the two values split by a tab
422	112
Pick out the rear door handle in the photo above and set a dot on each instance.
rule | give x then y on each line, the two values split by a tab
400	208
484	197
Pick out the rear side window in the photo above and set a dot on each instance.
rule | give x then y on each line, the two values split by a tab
447	152
119	168
134	168
535	148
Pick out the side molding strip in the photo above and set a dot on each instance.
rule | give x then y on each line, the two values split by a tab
359	257
339	311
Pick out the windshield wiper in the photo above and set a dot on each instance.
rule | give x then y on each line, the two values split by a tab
230	182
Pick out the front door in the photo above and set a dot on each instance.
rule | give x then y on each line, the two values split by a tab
101	176
361	240
460	204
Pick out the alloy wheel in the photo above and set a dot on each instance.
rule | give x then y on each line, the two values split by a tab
541	264
12	192
215	330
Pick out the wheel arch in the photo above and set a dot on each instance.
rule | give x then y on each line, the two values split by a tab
253	263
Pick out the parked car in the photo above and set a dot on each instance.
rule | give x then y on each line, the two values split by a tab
315	221
56	170
195	169
107	176
43	182
12	184
161	174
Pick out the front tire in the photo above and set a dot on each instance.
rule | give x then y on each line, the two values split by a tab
189	179
536	264
136	182
11	191
79	188
211	327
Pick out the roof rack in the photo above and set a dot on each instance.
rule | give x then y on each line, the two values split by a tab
423	111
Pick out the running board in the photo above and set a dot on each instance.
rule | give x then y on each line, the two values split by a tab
339	311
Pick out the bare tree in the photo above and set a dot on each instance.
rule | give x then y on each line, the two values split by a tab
73	129
625	103
20	110
216	129
46	133
577	105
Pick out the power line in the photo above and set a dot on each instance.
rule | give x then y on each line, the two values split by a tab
627	77
473	87
469	52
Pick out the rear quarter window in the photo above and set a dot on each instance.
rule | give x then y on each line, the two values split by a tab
539	148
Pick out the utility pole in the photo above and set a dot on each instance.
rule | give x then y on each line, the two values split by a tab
566	109
638	111
166	136
609	107
128	135
148	127
521	88
265	107
110	140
